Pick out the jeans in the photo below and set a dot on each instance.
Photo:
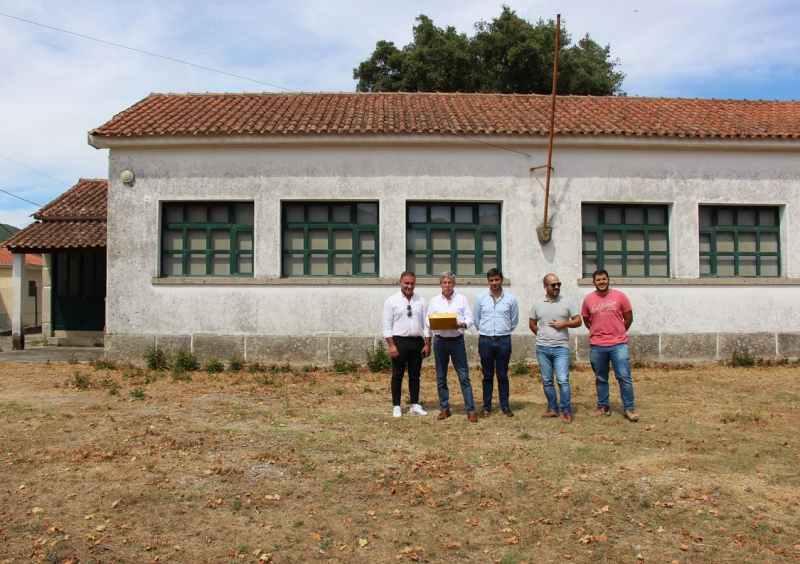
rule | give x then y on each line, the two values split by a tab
555	359
409	355
443	352
495	355
620	358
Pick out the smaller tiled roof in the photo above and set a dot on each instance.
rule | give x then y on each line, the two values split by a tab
86	200
6	258
271	114
55	235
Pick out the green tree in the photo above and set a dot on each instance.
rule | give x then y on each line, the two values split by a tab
507	55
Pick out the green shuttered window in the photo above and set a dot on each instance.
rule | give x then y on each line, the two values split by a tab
739	242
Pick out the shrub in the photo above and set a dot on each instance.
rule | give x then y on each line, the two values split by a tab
236	364
185	361
82	381
214	366
181	376
137	393
111	385
103	364
742	359
255	368
521	367
155	359
379	359
344	367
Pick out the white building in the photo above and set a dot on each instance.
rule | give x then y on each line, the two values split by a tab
273	226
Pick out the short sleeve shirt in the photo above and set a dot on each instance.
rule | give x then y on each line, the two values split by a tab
545	311
605	315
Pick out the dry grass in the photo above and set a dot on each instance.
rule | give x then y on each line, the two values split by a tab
290	467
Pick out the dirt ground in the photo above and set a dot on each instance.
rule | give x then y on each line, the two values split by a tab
301	466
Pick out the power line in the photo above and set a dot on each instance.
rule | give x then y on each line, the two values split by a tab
33	170
148	53
21	198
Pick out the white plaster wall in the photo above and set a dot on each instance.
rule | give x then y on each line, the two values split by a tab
392	175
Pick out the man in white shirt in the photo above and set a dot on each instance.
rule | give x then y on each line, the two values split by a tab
404	315
449	345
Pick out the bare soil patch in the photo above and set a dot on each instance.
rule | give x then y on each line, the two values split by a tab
131	466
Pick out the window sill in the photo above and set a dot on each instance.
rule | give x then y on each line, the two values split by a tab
310	281
696	282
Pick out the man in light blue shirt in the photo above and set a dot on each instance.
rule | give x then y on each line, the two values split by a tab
496	315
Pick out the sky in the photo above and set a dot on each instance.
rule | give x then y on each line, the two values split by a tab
55	86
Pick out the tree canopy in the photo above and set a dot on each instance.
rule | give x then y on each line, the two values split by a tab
506	55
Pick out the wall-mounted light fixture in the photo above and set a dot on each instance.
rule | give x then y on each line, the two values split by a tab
126	176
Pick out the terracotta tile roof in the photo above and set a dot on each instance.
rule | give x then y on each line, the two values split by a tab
6	258
59	235
86	200
490	114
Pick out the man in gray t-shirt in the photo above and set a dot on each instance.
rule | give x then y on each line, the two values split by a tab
550	319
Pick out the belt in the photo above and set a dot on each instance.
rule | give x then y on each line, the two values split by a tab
494	337
450	338
406	337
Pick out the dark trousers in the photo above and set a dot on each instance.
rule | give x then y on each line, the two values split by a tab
409	356
495	356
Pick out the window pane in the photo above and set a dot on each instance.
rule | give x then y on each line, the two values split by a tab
725	242
197	265
589	241
634	241
440	263
465	265
489	214
589	264
366	241
658	241
317	214
367	214
342	239
220	239
197	214
634	216
440	240
171	265
725	266
465	240
590	215
658	266
464	214
244	240
294	214
318	239
705	242
489	241
489	262
612	241
292	239
747	242
769	243
196	239
635	265
367	264
747	218
726	217
417	264
747	266
293	265
613	264
767	218
769	266
613	215
173	214
416	240
220	265
341	214
318	265
440	214
342	265
416	214
705	266
657	216
219	214
244	264
243	213
705	217
172	240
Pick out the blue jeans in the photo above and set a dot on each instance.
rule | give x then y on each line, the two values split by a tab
495	355
555	359
620	359
444	351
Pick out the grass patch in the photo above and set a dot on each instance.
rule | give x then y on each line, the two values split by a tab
214	366
155	358
344	367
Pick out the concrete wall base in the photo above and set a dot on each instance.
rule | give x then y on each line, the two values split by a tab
325	349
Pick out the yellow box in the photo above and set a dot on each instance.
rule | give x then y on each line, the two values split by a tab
442	321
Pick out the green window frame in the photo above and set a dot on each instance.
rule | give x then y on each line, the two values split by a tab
337	239
740	242
207	239
464	238
627	240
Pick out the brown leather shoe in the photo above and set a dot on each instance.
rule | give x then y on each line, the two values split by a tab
566	417
507	412
472	417
485	413
549	413
443	415
631	416
602	411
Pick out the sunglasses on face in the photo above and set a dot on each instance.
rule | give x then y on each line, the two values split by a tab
556	285
408	311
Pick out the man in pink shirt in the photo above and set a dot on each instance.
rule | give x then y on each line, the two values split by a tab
608	315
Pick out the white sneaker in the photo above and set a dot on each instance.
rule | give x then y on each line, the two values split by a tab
397	412
417	410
